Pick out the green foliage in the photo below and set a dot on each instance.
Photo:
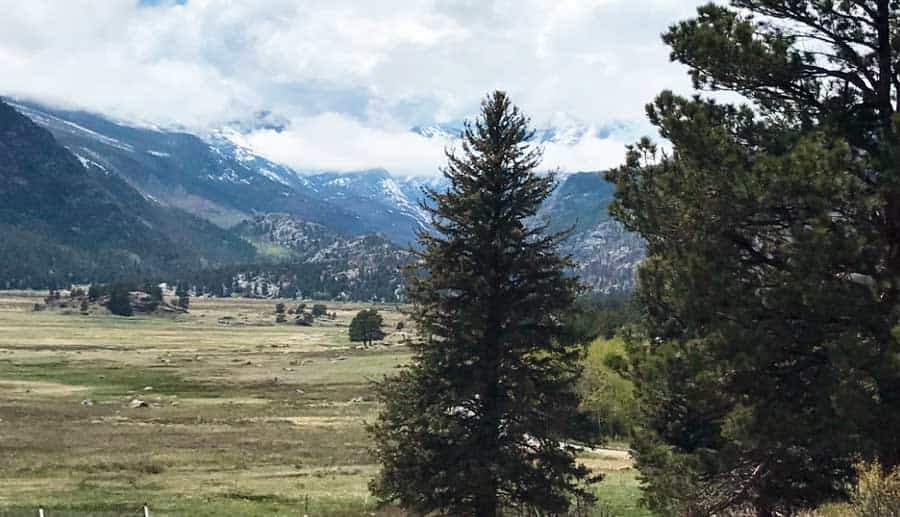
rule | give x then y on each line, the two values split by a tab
607	393
366	327
319	310
119	300
599	316
93	292
474	425
770	359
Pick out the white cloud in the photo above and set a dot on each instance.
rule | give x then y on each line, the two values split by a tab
357	72
335	142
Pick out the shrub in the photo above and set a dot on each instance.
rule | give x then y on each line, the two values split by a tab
304	319
606	394
877	492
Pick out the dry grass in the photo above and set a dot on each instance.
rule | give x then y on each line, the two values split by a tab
247	417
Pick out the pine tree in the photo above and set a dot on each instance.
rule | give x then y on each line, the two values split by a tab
184	296
773	272
476	425
119	300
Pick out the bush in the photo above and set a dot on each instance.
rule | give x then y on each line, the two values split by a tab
304	319
319	310
877	492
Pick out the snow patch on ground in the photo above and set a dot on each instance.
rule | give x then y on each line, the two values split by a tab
272	176
396	195
88	163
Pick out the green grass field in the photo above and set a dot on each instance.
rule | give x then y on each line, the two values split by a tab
246	417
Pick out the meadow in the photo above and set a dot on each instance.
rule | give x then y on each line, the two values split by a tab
243	416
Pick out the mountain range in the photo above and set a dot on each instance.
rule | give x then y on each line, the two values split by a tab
182	200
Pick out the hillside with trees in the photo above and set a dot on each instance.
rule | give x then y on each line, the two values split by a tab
64	223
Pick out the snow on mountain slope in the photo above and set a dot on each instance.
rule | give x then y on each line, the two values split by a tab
562	128
220	177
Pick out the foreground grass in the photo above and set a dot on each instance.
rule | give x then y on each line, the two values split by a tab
246	417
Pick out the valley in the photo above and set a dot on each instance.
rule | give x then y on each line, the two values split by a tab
243	417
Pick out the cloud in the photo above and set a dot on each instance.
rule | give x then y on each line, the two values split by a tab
360	72
334	142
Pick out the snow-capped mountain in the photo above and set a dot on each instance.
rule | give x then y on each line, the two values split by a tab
375	194
561	129
219	177
211	177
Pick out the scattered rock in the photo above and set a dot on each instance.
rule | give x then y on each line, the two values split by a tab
300	392
357	400
87	402
148	388
138	403
288	369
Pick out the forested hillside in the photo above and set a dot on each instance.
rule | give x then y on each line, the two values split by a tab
65	223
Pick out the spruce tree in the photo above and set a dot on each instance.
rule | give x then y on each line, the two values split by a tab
479	423
773	272
120	300
184	296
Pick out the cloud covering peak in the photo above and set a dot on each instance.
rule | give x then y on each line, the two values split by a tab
347	78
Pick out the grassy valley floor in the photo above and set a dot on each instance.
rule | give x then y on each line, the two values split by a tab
245	417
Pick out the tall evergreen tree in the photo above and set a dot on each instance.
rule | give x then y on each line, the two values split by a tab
773	273
478	423
119	302
184	296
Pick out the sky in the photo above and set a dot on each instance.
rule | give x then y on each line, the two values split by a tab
344	81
